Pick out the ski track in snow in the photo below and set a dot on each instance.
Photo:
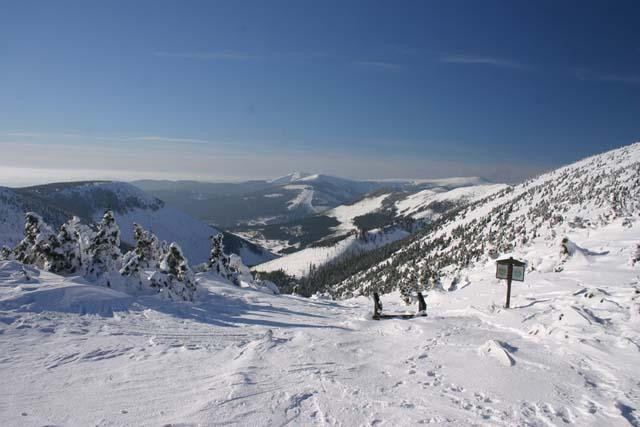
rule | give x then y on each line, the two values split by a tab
566	354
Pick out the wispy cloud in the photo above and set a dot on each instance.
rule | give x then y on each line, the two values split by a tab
76	136
41	135
381	65
481	60
219	56
583	74
168	139
239	56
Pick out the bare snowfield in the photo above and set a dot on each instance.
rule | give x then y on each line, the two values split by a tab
347	213
568	352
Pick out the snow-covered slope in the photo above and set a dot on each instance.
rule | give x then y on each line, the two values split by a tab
571	201
298	263
289	178
321	192
89	200
345	214
424	204
447	183
567	353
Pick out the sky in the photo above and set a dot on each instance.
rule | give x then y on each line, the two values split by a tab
232	90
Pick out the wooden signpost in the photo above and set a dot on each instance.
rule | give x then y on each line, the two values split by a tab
510	269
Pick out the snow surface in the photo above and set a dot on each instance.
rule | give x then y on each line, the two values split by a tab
567	353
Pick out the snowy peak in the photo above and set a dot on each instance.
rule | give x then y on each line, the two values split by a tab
290	178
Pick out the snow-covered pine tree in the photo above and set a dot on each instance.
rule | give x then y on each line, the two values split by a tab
6	254
174	280
145	254
51	254
219	261
160	250
104	247
85	237
63	253
36	234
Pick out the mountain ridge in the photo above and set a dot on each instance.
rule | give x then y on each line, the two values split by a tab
89	199
589	193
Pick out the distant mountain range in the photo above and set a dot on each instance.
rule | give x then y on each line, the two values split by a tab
300	212
378	219
281	200
88	200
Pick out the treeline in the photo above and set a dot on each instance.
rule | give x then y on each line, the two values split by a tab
95	254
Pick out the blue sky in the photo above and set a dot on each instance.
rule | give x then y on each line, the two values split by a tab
371	89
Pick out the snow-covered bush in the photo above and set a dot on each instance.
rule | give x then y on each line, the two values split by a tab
567	249
104	247
239	271
174	280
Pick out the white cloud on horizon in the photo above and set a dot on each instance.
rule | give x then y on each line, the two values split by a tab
29	163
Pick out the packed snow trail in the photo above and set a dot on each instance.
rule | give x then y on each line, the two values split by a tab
568	352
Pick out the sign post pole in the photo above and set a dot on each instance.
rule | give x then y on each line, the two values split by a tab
510	270
509	277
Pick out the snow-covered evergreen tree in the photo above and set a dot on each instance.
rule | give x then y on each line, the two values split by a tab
6	254
145	254
219	262
62	253
174	280
104	247
36	234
